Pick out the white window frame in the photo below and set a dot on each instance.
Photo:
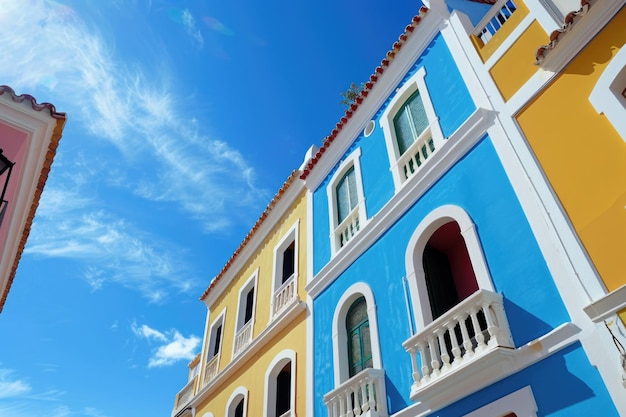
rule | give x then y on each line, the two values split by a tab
251	282
606	96
416	83
277	364
415	249
353	160
292	235
220	319
340	334
238	394
521	402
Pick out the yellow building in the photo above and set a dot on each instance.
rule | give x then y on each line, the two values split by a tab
253	359
555	71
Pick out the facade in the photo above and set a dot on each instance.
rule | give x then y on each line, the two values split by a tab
556	73
29	136
253	358
438	282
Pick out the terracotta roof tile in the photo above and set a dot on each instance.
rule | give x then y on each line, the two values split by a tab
364	93
292	177
36	106
555	36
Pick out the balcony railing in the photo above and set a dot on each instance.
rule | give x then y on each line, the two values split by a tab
362	395
211	368
463	335
285	295
413	158
348	227
243	337
186	393
493	21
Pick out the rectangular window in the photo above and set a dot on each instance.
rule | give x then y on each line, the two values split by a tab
347	197
217	340
249	305
289	261
410	122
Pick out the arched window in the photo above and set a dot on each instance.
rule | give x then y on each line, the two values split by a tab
359	343
237	403
280	385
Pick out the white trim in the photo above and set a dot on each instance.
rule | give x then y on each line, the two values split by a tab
274	368
220	319
251	283
339	333
239	392
521	402
416	83
606	96
292	235
353	160
458	144
604	307
415	248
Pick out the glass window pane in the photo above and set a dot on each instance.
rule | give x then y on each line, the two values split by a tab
352	189
404	135
343	194
418	114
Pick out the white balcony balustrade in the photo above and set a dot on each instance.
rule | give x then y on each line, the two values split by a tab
185	394
243	337
415	156
285	295
362	395
465	334
211	368
493	21
348	227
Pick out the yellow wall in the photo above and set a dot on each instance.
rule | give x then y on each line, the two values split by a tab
251	374
583	156
516	66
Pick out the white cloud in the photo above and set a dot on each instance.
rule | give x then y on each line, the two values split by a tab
173	345
190	27
11	387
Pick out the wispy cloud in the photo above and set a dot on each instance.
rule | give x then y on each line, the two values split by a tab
11	387
173	346
190	27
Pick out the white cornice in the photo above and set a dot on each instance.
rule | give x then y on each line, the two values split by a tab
455	147
402	63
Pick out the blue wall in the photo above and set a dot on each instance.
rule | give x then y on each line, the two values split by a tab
478	184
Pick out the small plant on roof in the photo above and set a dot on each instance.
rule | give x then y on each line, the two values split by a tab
351	94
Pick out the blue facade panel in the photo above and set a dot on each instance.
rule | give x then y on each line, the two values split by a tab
478	184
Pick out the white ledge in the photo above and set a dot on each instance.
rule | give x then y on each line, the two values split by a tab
605	307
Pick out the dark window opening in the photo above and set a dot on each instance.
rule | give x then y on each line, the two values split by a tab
289	261
283	390
239	409
359	343
218	337
249	306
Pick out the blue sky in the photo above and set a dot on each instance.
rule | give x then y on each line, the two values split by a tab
184	118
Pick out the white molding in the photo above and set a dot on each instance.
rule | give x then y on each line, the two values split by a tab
606	96
580	33
251	282
521	402
220	319
416	83
279	323
309	359
605	307
292	235
267	226
415	248
353	160
274	368
457	145
240	393
417	41
339	333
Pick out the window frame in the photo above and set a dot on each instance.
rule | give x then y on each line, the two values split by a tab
607	96
292	235
219	320
239	394
416	83
271	374
341	366
352	161
413	258
358	328
251	283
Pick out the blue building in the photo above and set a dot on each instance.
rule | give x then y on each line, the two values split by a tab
432	285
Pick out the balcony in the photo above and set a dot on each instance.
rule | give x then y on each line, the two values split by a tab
285	295
348	227
211	368
493	21
243	337
362	395
185	394
473	337
413	158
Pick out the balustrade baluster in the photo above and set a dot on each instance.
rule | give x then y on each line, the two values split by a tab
443	352
478	334
492	327
456	351
434	356
467	342
424	359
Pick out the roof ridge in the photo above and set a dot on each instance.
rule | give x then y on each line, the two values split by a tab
33	102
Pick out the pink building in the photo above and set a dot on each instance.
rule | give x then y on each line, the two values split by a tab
29	136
